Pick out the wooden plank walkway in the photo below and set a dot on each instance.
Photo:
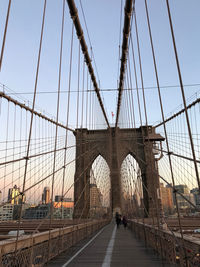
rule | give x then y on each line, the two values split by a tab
112	247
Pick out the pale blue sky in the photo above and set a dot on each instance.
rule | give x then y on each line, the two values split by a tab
103	18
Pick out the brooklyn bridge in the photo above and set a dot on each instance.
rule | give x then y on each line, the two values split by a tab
100	136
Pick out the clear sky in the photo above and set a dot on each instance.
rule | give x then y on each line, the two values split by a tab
103	21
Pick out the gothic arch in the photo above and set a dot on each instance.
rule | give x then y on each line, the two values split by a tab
114	144
99	187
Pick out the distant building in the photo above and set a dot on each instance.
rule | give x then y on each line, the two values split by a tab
95	197
68	204
15	196
96	200
182	188
65	199
58	198
39	212
63	210
196	194
46	195
6	212
184	205
17	208
166	198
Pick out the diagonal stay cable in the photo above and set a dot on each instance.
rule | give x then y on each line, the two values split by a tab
27	108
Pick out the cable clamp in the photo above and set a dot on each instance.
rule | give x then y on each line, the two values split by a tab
129	14
75	15
80	36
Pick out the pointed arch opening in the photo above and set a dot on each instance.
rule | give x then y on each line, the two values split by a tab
132	188
99	188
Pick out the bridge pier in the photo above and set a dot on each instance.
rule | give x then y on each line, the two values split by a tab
116	190
151	188
82	176
114	144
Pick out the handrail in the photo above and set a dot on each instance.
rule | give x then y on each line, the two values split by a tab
8	246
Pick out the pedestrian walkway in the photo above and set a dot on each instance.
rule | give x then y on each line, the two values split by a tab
110	247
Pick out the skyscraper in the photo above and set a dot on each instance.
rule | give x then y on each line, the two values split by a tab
166	198
184	205
195	192
46	195
14	195
95	197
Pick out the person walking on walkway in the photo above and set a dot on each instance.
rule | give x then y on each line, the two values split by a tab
118	219
124	221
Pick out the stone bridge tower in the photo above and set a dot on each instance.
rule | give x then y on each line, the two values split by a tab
114	144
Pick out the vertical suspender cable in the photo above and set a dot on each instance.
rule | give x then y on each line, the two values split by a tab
86	115
183	94
79	32
126	31
141	72
68	109
57	117
163	118
120	26
6	152
77	111
146	121
83	84
31	122
136	81
14	135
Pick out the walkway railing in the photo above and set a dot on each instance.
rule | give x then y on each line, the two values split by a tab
36	250
169	244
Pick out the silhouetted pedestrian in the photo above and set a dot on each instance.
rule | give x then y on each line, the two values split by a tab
118	219
124	221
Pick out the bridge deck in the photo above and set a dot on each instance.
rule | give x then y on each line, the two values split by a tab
111	247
